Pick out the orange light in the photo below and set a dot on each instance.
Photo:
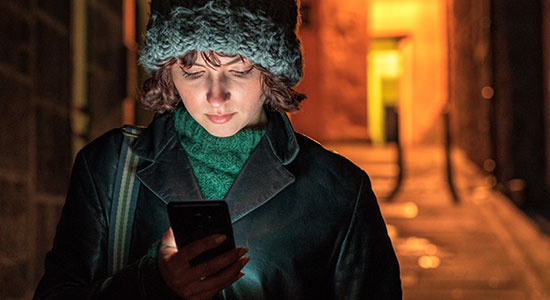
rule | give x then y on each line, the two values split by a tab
129	39
429	262
487	92
421	29
129	24
405	210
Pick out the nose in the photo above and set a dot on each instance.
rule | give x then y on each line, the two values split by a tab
217	94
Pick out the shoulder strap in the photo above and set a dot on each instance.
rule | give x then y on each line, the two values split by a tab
124	202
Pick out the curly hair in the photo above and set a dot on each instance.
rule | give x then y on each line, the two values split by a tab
159	93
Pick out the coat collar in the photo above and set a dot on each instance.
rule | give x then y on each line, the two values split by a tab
165	170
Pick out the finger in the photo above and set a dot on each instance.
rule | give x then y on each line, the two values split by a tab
219	262
190	251
168	238
218	281
211	294
185	274
197	247
169	268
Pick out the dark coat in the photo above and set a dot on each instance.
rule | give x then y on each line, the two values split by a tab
308	216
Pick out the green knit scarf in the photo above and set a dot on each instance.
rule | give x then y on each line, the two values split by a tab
216	161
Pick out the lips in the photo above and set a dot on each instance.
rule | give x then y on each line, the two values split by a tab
220	119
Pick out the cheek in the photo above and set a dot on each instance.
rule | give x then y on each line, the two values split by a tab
252	101
255	94
261	98
187	94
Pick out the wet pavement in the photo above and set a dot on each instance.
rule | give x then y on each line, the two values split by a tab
482	248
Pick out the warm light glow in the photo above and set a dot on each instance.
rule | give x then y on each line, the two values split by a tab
429	262
431	249
420	29
417	244
410	210
387	62
407	12
480	193
129	39
129	28
414	246
382	65
487	92
334	39
392	231
404	210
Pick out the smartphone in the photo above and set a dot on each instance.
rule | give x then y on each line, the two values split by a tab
193	220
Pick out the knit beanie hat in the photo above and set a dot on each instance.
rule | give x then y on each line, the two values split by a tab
263	31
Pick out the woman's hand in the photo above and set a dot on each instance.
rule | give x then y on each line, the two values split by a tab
203	280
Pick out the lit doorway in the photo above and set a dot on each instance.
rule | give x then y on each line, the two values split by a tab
384	71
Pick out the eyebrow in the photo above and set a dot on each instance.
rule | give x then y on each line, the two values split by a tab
237	59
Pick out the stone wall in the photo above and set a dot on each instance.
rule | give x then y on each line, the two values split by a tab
35	151
519	102
469	73
335	45
106	65
36	146
546	51
497	88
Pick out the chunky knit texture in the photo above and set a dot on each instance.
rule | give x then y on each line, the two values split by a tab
264	31
216	161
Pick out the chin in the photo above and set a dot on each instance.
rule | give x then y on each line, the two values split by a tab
217	132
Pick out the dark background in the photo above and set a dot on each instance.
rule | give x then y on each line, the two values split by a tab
502	45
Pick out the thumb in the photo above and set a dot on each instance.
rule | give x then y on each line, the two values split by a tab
168	242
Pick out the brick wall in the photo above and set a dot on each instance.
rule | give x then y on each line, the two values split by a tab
335	46
519	101
36	142
35	146
107	65
469	72
497	88
546	51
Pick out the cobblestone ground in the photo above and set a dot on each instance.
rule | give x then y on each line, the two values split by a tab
482	248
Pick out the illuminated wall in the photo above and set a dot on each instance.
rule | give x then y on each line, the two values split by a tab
384	73
335	44
546	51
420	25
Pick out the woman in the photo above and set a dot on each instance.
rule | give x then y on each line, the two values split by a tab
307	219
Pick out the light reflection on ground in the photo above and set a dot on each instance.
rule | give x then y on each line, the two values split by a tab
424	249
407	210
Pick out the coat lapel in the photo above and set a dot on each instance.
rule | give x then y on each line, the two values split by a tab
167	173
165	169
261	178
264	175
171	178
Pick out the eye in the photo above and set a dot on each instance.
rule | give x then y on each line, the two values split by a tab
190	75
242	73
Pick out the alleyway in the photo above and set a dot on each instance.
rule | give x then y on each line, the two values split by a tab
480	249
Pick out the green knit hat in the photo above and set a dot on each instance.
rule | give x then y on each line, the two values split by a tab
263	31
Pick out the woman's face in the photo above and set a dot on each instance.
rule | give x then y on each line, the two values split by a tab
225	99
